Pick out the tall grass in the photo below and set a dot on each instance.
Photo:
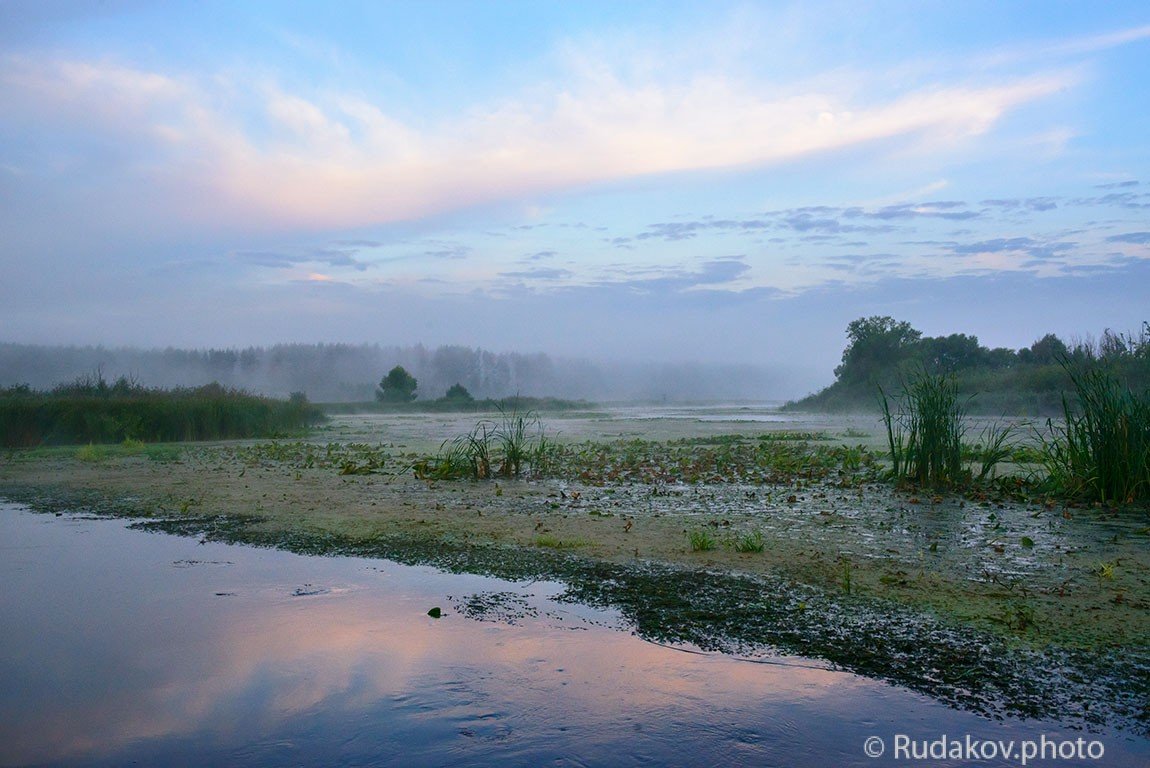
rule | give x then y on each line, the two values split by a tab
925	430
515	436
90	410
1101	451
506	448
996	444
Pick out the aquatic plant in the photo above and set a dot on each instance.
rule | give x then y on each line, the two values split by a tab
505	448
996	444
750	542
1101	450
924	433
515	434
701	541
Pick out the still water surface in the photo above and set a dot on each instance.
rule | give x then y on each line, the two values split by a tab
123	647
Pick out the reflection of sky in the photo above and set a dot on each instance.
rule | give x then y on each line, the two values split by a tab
115	648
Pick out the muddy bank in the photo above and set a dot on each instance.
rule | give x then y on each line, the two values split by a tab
990	605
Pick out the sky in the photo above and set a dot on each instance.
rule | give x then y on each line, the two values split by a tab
715	182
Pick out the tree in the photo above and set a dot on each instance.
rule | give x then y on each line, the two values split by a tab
398	386
1046	351
947	354
877	345
458	393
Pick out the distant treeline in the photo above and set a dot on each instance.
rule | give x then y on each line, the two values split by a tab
330	373
91	410
518	404
881	351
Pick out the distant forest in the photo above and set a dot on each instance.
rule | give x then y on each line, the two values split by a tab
881	351
351	373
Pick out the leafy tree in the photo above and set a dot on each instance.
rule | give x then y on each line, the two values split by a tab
947	354
999	357
1046	351
458	393
398	386
877	346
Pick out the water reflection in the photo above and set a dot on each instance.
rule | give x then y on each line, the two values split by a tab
121	646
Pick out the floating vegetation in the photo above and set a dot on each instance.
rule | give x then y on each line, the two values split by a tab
347	458
733	460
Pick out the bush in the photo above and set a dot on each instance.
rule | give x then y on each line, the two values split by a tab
398	386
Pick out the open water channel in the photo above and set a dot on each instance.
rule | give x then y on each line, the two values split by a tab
120	647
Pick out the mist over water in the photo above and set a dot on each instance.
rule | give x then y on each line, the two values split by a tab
350	373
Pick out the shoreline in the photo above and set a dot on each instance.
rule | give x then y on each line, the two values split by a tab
847	573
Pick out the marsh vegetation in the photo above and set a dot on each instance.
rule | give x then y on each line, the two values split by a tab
1101	449
90	410
991	535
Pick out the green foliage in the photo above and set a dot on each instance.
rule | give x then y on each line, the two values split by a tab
398	386
1101	450
701	540
715	459
1030	380
877	345
750	542
504	448
924	434
89	410
515	435
458	393
996	444
360	458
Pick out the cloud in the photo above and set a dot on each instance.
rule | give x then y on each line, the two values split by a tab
1128	200
710	275
543	273
255	155
334	257
1136	238
943	210
453	251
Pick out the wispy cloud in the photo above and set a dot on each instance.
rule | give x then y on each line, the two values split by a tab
257	154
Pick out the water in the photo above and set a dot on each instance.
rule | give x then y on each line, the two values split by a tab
120	647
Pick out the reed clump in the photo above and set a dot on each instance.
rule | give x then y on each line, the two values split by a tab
503	447
92	411
1101	449
925	430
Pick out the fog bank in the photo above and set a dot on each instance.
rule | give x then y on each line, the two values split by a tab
349	373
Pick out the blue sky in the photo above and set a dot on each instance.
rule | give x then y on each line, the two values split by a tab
725	182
